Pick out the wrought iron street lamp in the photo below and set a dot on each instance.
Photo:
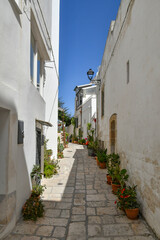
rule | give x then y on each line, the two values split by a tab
90	75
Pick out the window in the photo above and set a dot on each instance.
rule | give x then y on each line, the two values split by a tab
36	65
32	57
127	72
38	71
76	120
102	102
80	99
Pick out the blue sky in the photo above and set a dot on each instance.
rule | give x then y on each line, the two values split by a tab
84	26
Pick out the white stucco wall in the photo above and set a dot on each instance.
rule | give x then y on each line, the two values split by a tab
52	82
19	100
88	109
136	103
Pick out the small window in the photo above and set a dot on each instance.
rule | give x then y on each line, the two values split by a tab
127	72
38	71
81	100
102	103
32	57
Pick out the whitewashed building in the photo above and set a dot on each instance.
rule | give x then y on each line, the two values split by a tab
85	107
29	46
128	101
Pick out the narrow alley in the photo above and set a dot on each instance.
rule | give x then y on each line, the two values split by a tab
79	204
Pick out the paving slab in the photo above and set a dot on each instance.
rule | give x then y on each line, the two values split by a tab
79	205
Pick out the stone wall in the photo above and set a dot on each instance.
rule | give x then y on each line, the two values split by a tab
135	40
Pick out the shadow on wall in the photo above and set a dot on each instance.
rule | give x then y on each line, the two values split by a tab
16	11
14	178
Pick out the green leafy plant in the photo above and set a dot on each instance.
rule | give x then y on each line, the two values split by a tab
80	141
60	155
93	145
50	168
73	122
36	171
119	176
60	147
101	155
36	174
90	132
80	134
47	152
38	190
112	162
76	139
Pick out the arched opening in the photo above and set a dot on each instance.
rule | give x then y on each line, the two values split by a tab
113	133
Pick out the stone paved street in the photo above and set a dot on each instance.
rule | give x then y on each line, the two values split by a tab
80	205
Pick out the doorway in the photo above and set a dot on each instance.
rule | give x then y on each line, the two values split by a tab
38	146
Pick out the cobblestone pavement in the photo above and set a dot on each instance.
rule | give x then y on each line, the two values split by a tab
80	205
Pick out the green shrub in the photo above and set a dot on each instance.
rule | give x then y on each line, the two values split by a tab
60	155
36	174
101	155
60	147
50	168
38	190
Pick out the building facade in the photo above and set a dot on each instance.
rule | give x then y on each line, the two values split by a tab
129	98
27	28
85	108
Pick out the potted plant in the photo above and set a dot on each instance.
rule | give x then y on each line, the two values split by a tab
127	200
109	169
76	140
111	163
91	149
102	158
49	152
36	175
60	149
131	205
66	144
33	207
119	178
60	155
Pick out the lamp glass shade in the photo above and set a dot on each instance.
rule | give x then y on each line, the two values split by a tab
90	74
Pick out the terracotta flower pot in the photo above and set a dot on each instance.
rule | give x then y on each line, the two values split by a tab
109	179
132	213
115	188
97	161
102	165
